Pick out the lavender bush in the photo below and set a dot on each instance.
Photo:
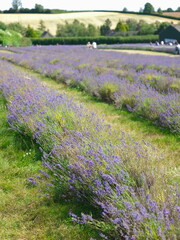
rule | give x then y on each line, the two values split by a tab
148	86
85	159
141	46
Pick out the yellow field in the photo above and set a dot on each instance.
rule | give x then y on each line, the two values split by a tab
96	18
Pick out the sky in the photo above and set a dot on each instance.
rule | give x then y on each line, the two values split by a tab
131	5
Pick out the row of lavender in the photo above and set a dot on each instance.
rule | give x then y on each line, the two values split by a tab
146	85
142	46
85	159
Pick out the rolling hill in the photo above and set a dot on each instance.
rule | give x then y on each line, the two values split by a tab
96	18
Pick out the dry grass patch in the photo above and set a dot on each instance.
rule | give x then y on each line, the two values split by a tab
173	14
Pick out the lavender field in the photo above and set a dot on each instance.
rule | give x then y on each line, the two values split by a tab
146	85
82	157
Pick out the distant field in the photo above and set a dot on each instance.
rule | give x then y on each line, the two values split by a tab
173	14
96	18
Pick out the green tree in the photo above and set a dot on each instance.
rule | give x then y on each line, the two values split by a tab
39	8
61	30
169	10
75	29
31	32
92	31
160	11
132	24
17	27
41	26
121	27
108	23
125	9
16	4
146	29
3	26
178	9
106	27
162	26
148	8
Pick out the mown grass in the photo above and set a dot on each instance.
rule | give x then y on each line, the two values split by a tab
25	212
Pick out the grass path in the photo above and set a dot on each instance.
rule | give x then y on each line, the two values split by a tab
121	120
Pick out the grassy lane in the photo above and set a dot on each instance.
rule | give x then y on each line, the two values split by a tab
121	120
25	212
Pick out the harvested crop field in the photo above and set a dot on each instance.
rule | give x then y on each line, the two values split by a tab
96	18
173	14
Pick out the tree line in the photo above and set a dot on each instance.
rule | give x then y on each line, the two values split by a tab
78	29
17	8
123	28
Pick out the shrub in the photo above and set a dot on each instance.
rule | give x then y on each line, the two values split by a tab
107	90
99	40
3	26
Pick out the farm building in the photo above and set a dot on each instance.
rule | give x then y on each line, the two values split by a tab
170	34
46	34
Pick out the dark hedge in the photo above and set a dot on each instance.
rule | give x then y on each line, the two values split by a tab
98	40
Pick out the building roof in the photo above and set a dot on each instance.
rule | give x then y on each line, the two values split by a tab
46	34
177	27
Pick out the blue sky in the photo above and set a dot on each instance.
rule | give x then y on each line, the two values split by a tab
131	5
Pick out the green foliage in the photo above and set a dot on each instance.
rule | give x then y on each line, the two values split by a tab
31	32
16	4
132	24
148	8
169	10
76	29
160	11
121	27
125	9
17	27
92	31
12	38
99	40
39	8
106	27
162	26
107	90
3	26
54	61
42	26
146	29
25	42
